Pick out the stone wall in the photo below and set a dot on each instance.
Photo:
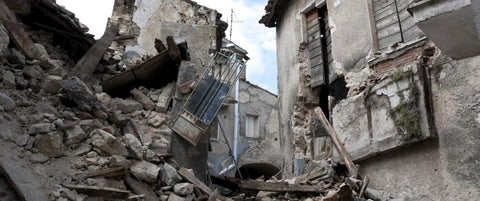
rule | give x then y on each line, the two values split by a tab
253	100
143	22
411	115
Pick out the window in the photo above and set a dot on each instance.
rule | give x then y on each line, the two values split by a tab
393	23
215	130
251	126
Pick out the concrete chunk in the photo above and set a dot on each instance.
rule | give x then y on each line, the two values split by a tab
51	144
75	135
183	189
6	102
134	145
165	97
108	143
143	99
145	171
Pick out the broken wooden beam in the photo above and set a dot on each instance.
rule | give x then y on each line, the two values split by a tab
190	177
279	187
108	173
105	192
87	64
16	31
352	170
148	70
21	177
139	187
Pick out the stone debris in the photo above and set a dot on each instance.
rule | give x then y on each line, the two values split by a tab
6	102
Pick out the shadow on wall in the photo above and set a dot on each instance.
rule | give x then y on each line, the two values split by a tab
256	170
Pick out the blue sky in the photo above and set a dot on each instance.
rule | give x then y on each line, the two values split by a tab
258	40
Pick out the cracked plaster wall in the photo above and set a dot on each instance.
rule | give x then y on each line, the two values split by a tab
442	167
141	22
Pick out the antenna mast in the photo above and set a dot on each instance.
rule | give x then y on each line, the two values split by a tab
231	22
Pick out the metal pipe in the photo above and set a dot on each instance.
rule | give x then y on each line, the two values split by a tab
236	119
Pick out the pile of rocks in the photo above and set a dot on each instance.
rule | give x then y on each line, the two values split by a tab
70	133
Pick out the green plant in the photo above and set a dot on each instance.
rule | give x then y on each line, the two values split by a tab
406	115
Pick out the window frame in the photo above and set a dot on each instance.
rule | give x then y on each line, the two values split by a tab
256	126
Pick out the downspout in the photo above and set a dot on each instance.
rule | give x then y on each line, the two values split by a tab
236	121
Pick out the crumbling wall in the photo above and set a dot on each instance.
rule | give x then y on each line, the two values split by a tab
144	22
253	100
456	99
408	112
266	149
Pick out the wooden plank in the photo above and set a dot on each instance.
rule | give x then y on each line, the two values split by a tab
141	188
279	187
87	64
21	177
352	170
315	52
16	31
108	173
105	192
190	177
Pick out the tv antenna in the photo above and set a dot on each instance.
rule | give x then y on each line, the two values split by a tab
232	14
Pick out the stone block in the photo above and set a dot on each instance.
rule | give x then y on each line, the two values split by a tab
33	72
51	144
8	79
126	105
157	120
6	102
134	145
350	121
169	175
75	135
145	171
52	84
165	98
139	96
183	189
40	128
388	115
108	143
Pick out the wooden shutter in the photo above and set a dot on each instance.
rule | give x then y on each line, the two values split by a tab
315	48
409	30
386	20
392	26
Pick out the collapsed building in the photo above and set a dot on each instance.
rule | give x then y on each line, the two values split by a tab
97	120
398	82
84	119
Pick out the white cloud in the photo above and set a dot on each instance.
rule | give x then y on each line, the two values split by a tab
257	39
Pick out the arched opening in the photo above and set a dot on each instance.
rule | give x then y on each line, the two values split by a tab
257	170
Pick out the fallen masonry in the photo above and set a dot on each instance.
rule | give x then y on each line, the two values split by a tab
75	126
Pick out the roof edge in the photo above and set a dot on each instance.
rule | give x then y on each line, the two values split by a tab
272	11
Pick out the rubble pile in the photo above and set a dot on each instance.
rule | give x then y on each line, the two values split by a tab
77	141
